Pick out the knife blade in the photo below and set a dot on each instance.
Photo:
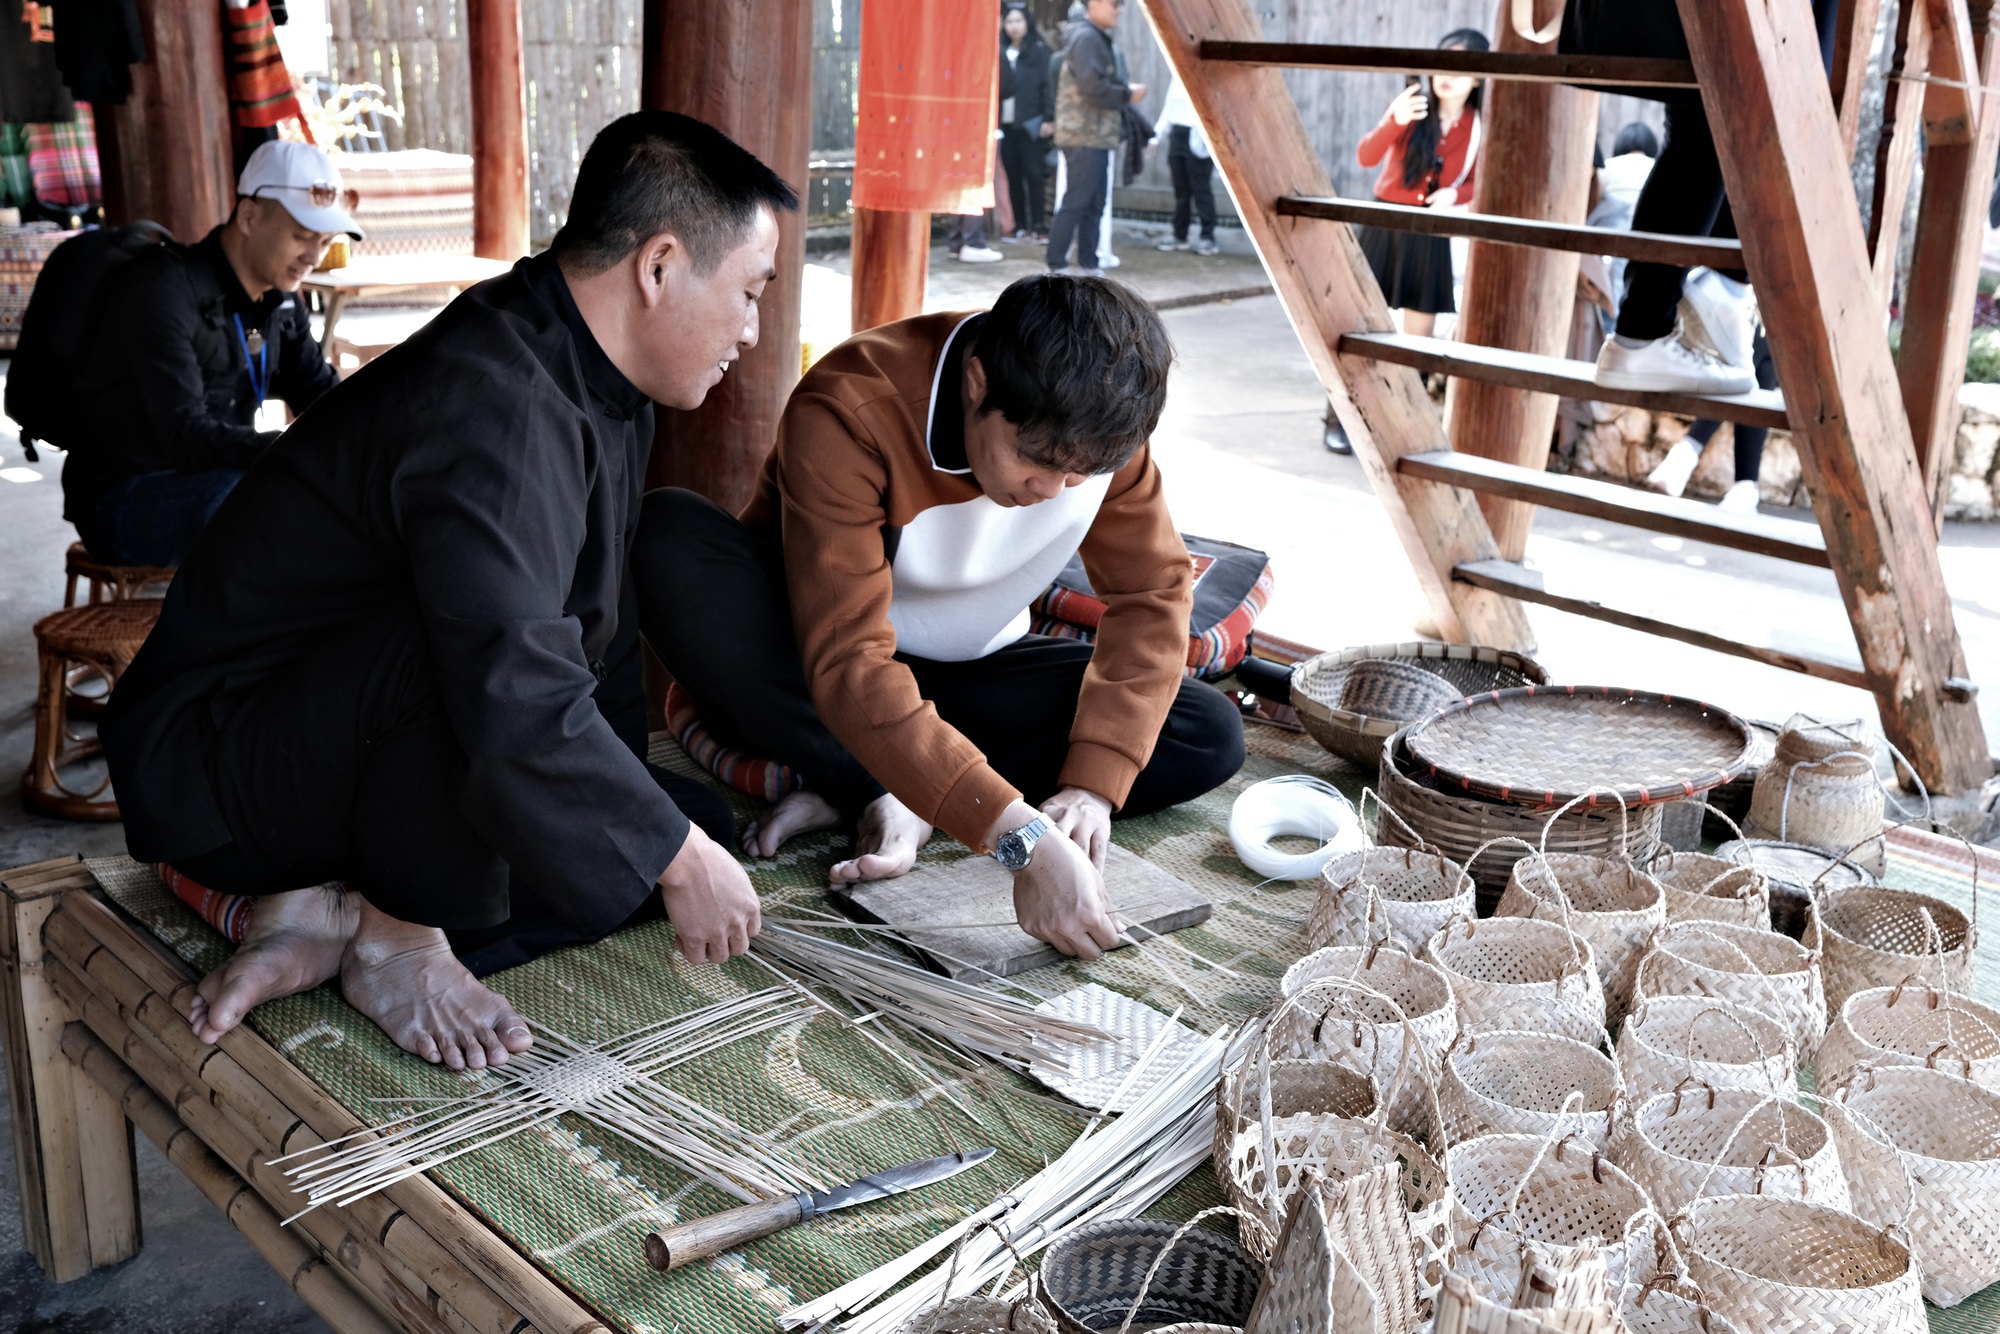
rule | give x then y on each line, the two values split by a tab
699	1238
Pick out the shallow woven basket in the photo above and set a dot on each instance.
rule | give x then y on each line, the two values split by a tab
1517	1084
1317	684
1365	1034
1517	973
1704	888
1757	969
1417	813
1517	1196
1922	1149
1709	1141
1912	1023
1671	1041
1396	894
1795	873
1874	936
1610	903
1820	789
1091	1277
1778	1265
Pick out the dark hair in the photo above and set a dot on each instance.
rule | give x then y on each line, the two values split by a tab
659	171
1636	137
1078	366
1033	37
1420	144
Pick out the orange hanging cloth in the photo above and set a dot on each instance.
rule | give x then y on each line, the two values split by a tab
260	87
930	74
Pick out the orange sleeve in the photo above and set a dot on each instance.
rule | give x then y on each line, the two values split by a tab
1139	569
832	478
1376	144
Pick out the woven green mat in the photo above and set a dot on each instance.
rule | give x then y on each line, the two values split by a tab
580	1200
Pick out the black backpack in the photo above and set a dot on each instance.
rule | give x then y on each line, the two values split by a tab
56	329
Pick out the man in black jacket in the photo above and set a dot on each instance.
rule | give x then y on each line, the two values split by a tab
403	656
190	342
1091	96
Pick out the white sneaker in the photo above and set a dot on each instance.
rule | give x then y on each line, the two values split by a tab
1740	498
1672	475
1171	244
1668	365
1204	247
979	254
1108	261
1718	315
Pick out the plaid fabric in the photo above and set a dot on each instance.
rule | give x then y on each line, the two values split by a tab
260	87
415	201
15	181
23	250
227	913
766	779
62	160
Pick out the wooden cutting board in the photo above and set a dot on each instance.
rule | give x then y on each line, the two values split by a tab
960	915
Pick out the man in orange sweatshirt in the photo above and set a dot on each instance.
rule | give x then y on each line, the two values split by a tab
865	620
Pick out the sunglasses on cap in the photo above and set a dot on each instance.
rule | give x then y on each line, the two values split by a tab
322	194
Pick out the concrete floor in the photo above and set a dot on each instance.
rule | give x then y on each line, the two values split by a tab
1240	447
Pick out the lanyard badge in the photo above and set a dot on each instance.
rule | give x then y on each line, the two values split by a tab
254	358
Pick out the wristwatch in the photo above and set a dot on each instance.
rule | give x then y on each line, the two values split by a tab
1017	845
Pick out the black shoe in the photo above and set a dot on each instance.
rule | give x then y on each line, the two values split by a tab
1335	437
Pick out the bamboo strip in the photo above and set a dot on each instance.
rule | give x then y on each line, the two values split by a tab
460	1232
316	1281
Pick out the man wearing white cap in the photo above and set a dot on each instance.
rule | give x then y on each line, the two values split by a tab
189	343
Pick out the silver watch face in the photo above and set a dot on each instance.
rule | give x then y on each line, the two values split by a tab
1013	850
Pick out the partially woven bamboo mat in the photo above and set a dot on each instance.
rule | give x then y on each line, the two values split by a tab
580	1201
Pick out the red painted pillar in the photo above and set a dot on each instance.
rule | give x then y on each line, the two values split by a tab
499	130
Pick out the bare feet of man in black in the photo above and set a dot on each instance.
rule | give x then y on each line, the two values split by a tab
885	843
796	813
407	980
295	943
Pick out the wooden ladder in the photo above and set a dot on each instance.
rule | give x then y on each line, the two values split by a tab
1873	447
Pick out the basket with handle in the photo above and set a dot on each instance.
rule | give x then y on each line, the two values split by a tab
1669	1040
1463	1309
1346	1247
1778	1265
984	1314
1107	1274
1530	1084
1874	936
1701	1140
1299	1087
1398	894
1922	1152
1913	1023
1794	873
1670	1304
1319	685
1820	789
1700	887
1520	973
1759	970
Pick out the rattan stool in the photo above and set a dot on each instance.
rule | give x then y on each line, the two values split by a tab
105	637
110	583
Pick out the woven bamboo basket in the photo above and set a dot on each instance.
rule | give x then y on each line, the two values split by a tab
1463	1309
1669	1041
1922	1151
1298	1088
1518	973
979	1313
1704	888
1096	1277
1795	873
1708	1141
1363	1031
1318	684
1612	904
1820	789
1757	969
1347	1241
1732	799
1659	1309
1874	936
1520	1199
1912	1025
1775	1266
1397	894
1518	1084
1458	825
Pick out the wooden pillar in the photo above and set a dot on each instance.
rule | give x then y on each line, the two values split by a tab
166	150
499	129
1537	164
1853	43
72	1144
892	261
745	67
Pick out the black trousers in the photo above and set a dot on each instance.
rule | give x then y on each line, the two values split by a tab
1081	208
1749	440
1194	190
713	606
1024	157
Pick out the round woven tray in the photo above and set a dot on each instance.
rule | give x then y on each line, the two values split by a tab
1543	746
1317	685
1091	1277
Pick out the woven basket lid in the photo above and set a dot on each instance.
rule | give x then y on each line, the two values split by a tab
1547	745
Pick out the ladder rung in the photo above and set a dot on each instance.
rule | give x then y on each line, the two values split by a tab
1766	535
1556	375
1528	66
1649	247
1511	580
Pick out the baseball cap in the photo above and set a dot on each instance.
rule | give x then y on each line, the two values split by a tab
303	178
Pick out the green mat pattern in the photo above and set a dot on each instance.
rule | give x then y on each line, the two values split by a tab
580	1200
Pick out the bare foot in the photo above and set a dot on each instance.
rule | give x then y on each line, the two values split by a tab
885	843
795	813
295	943
407	980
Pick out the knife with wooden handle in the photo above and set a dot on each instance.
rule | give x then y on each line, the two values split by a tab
699	1238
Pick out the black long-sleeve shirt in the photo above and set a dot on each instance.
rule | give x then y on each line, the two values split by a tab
166	386
491	468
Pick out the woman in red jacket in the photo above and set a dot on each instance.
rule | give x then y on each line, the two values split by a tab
1430	136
